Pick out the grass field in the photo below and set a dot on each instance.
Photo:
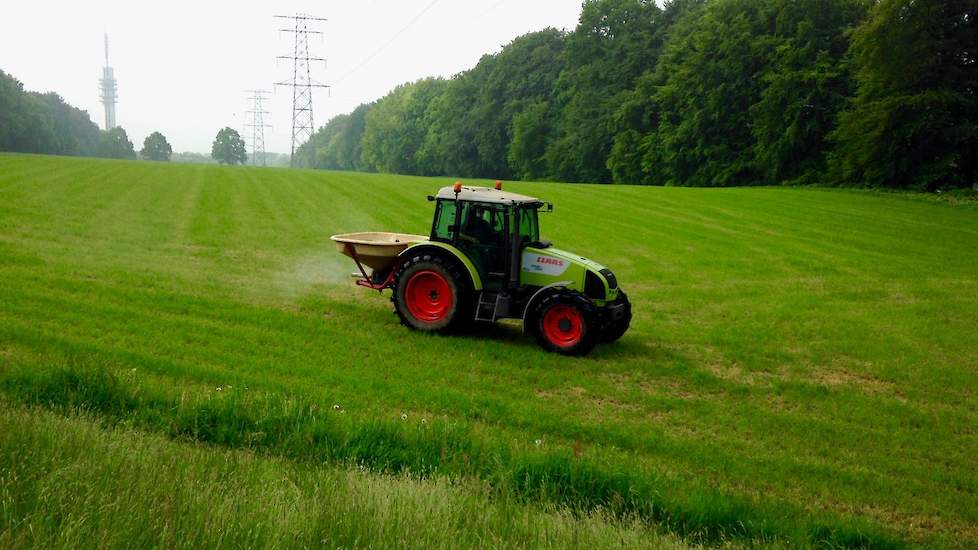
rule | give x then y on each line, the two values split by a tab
801	370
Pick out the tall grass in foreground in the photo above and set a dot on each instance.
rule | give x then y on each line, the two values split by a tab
69	483
299	430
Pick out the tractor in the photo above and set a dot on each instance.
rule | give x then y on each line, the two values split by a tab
484	261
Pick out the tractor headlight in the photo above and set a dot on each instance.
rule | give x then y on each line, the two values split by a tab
610	277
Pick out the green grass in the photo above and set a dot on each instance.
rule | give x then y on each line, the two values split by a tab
70	483
801	366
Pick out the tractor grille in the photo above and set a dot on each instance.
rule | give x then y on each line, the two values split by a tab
593	287
610	277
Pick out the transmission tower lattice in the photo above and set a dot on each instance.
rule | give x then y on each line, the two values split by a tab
257	125
302	84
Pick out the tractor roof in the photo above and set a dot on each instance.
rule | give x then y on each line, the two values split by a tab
486	194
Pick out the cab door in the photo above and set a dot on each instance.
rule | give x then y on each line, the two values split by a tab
483	236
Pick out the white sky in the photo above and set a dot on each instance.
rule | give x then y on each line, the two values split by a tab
182	67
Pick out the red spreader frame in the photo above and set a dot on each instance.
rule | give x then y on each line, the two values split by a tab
365	280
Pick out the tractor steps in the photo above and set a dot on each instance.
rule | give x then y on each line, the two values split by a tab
493	306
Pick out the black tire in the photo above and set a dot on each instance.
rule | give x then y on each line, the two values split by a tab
616	329
577	329
457	315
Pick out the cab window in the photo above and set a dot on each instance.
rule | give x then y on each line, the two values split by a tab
483	224
444	220
529	226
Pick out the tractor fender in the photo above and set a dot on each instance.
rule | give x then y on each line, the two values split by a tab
538	294
443	248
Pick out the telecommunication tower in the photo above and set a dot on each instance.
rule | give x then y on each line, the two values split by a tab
257	125
302	84
108	88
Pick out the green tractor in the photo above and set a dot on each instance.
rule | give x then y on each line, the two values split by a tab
485	261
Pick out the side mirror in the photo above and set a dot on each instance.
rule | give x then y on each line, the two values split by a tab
431	198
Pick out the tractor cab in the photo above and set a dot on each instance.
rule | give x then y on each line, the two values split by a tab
491	227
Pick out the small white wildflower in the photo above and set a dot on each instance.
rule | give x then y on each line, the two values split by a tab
336	407
218	388
539	442
424	421
342	411
404	416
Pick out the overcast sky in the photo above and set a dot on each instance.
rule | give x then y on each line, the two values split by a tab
182	66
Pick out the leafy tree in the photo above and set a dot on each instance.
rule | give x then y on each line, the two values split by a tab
707	83
338	144
531	128
450	141
115	144
43	123
72	130
308	155
345	150
746	92
523	74
395	129
470	125
616	41
637	114
806	85
914	120
229	148
155	147
20	119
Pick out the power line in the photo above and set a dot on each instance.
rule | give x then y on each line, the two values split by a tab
397	35
491	9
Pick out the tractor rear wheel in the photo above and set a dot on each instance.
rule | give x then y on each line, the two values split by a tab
432	295
567	323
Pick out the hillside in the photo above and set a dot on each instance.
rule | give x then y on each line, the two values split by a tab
800	368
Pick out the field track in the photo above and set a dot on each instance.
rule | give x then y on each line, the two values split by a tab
802	366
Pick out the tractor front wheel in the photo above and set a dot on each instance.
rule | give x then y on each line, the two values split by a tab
567	323
616	329
431	295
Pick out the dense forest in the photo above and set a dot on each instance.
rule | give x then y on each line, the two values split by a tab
31	122
696	92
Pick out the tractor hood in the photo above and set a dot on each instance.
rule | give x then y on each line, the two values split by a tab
546	266
566	256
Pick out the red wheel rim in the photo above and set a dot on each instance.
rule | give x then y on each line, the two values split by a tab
428	296
563	325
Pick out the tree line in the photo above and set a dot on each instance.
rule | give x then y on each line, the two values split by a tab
32	122
697	92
